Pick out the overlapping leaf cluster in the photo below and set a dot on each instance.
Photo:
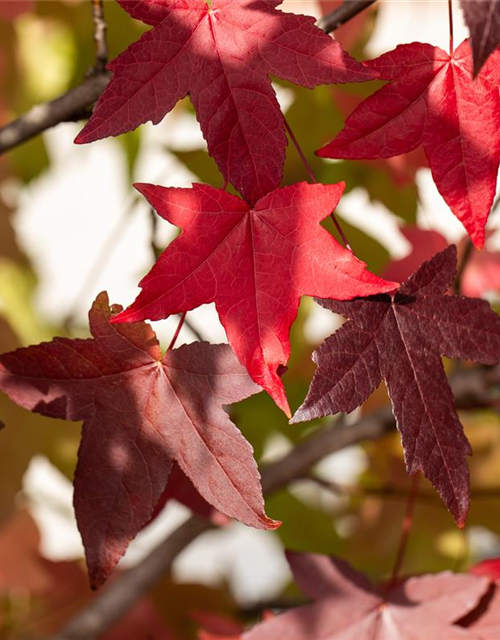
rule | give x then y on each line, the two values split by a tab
148	416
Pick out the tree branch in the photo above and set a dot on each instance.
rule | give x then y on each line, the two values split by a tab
348	10
68	108
100	30
75	104
116	598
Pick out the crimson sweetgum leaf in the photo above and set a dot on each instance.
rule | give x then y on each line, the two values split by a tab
254	263
401	339
346	606
222	56
141	410
433	100
483	19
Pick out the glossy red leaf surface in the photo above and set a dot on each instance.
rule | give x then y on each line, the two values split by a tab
254	263
346	606
433	100
483	19
401	340
222	56
141	410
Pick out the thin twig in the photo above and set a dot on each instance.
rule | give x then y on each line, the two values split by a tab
177	331
101	261
310	172
100	31
406	527
348	10
469	249
450	22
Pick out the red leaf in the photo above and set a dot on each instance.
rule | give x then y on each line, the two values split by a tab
489	568
483	19
222	57
347	607
217	627
141	411
254	263
400	340
433	100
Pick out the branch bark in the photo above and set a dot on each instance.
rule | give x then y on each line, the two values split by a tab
75	104
471	386
68	108
348	10
100	30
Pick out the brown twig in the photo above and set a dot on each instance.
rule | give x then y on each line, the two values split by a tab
120	595
75	104
348	10
100	31
67	108
469	249
406	527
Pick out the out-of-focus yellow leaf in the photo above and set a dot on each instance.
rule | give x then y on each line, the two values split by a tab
47	51
17	284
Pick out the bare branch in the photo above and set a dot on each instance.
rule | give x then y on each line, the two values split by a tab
348	10
100	30
120	595
67	108
75	104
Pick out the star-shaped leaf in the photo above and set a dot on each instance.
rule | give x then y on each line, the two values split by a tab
254	263
141	410
433	100
222	56
483	19
346	606
401	339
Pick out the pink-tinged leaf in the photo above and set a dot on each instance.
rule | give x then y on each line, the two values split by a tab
142	411
222	56
424	244
481	275
433	100
254	263
10	9
215	626
401	340
348	607
483	19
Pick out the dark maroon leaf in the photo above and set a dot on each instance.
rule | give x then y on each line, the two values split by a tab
401	339
141	410
483	19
